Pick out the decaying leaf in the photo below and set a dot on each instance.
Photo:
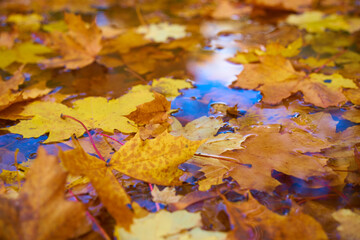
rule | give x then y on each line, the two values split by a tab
252	219
40	211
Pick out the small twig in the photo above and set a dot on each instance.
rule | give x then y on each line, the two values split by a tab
87	131
93	219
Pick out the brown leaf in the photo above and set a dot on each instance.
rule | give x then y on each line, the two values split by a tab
41	212
270	150
155	111
253	219
78	46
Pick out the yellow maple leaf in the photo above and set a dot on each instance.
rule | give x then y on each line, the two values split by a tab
94	112
26	52
161	32
316	21
168	87
161	225
154	160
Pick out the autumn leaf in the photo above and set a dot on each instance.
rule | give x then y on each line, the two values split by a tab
349	222
110	191
25	52
109	115
295	5
250	216
276	78
198	129
163	224
208	154
316	21
154	160
161	32
352	115
166	86
251	166
8	90
165	196
78	47
155	111
41	201
225	9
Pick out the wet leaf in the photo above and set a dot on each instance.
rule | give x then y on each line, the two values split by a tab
161	32
41	201
349	222
155	160
250	218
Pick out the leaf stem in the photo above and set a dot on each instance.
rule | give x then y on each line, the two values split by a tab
104	135
156	204
93	219
87	131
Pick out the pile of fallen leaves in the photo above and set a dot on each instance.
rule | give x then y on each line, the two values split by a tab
215	119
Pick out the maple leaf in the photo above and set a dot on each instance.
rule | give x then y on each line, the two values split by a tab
145	59
352	115
276	78
272	48
110	191
176	225
124	42
353	95
155	111
7	94
198	129
250	216
41	201
349	223
95	112
294	5
78	47
154	160
161	32
213	168
165	196
30	22
251	167
225	9
26	52
316	21
166	86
